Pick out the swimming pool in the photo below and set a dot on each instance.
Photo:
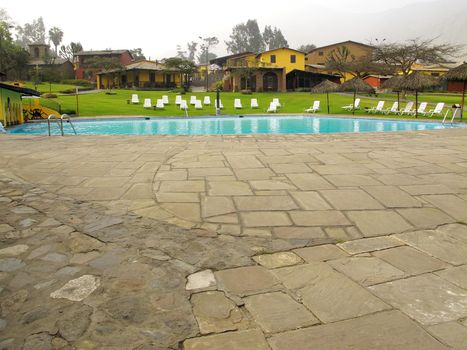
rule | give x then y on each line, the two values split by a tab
228	125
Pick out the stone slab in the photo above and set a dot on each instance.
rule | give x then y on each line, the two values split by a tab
278	312
366	270
384	331
251	203
275	260
310	200
378	222
451	333
370	244
77	289
265	218
320	253
309	182
202	280
242	340
350	199
425	217
410	260
331	296
392	197
426	298
456	275
248	280
319	218
229	188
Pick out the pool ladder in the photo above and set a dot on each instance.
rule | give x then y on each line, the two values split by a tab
60	123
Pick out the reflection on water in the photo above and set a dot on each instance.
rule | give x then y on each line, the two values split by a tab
229	125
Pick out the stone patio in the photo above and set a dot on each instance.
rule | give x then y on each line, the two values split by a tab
236	243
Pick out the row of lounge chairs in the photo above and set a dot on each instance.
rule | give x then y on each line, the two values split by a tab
408	109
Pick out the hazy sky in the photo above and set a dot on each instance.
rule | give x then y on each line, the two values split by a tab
158	26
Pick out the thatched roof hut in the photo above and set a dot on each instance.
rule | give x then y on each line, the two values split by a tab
356	85
459	74
393	83
417	81
326	86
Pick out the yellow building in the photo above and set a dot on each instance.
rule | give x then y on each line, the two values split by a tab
274	70
11	106
434	70
141	74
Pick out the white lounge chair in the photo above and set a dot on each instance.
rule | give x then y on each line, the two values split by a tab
393	110
356	105
378	109
183	105
134	99
147	103
178	100
315	108
198	104
221	106
436	111
272	108
276	101
408	109
207	101
237	104
165	99
193	100
160	104
421	108
254	103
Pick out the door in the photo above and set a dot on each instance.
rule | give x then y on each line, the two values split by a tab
270	82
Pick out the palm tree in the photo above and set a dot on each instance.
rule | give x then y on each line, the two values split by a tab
56	36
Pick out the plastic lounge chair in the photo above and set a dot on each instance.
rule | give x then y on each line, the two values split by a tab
314	108
147	103
378	109
198	104
178	100
254	103
207	101
192	100
221	106
160	104
393	110
272	108
421	108
134	99
183	105
436	111
408	109
237	104
356	105
165	99
276	101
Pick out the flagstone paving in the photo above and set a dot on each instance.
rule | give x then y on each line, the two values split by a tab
234	242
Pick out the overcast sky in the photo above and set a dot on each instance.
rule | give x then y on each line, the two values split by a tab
158	26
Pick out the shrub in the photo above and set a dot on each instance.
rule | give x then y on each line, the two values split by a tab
49	96
245	92
179	91
302	89
72	91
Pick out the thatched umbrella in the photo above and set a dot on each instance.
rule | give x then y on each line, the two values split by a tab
417	81
356	85
459	74
326	86
393	84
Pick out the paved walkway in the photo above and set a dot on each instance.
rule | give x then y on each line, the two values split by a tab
241	242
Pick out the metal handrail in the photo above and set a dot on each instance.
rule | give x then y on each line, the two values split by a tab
51	117
67	117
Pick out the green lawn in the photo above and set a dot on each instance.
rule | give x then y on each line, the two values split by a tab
47	88
101	104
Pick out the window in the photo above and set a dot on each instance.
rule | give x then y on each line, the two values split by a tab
36	52
273	58
293	58
320	53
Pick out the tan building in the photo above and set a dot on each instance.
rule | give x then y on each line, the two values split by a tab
319	55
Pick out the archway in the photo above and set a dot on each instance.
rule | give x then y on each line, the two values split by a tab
270	81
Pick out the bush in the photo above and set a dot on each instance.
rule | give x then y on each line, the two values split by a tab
79	82
49	96
303	90
245	92
72	91
179	91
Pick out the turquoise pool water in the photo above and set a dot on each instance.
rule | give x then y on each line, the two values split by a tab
228	125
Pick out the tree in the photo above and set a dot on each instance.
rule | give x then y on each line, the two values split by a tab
13	58
273	38
205	55
180	52
306	48
246	37
31	33
184	66
138	54
56	36
69	52
402	56
192	47
201	58
342	61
